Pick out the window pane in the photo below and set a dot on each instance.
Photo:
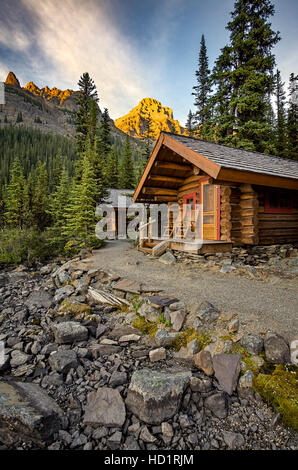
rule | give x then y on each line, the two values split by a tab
273	199
208	197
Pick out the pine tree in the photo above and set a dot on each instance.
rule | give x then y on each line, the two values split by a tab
14	216
249	64
190	126
40	197
105	141
127	175
19	117
280	116
92	125
59	202
292	119
112	169
80	213
28	201
98	166
88	93
202	90
140	166
148	136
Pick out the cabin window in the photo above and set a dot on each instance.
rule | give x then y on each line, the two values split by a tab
279	202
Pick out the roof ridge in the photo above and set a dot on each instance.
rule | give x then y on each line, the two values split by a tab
277	157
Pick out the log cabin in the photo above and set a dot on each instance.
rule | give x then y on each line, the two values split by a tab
246	197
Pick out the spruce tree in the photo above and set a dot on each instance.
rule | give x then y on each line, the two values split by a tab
280	116
190	126
249	64
202	90
127	174
14	216
105	141
112	169
58	204
87	95
292	119
148	136
40	197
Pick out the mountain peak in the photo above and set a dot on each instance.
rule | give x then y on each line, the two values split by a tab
134	123
11	79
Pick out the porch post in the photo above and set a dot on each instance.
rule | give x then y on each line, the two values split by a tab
249	215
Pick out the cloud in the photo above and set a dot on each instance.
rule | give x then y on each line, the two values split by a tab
64	39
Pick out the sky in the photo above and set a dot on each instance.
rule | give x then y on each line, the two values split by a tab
132	49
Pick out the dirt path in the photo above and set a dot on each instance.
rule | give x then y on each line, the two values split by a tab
262	305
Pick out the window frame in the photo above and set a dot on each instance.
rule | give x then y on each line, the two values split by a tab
279	210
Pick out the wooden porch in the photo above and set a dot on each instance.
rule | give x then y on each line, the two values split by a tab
196	248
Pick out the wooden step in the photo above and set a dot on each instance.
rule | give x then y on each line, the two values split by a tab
143	249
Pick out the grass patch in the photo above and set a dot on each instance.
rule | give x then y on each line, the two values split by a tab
188	335
74	308
137	301
279	390
144	326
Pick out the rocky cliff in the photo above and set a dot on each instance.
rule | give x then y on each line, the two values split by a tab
135	122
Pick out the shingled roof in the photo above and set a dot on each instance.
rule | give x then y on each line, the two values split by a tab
238	159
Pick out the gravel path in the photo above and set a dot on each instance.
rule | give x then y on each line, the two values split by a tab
271	304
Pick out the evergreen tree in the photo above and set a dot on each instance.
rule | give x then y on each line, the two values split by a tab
40	197
127	175
105	141
92	126
88	93
202	90
98	166
190	126
249	64
148	136
59	202
80	213
14	216
28	202
139	167
19	117
292	119
112	169
280	116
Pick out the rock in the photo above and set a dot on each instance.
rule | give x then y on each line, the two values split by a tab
100	330
162	301
227	268
131	444
167	258
149	312
104	350
105	407
127	285
276	348
234	325
155	396
186	354
146	436
177	319
207	312
219	347
252	343
226	370
27	412
233	440
63	277
63	360
245	385
129	338
200	385
157	355
167	429
217	404
69	332
118	378
63	293
114	440
18	358
164	337
117	333
40	298
203	360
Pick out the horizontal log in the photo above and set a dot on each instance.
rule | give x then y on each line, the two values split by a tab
192	179
160	191
165	199
172	166
190	186
166	179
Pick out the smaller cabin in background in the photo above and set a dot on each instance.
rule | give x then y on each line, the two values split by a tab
246	198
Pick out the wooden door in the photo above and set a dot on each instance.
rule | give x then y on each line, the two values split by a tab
189	212
210	200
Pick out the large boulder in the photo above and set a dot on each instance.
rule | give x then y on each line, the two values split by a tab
226	370
39	298
69	332
27	412
245	386
63	360
154	396
276	348
105	407
203	360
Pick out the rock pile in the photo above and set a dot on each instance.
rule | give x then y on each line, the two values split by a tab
83	374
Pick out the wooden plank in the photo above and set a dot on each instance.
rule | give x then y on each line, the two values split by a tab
172	166
248	177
